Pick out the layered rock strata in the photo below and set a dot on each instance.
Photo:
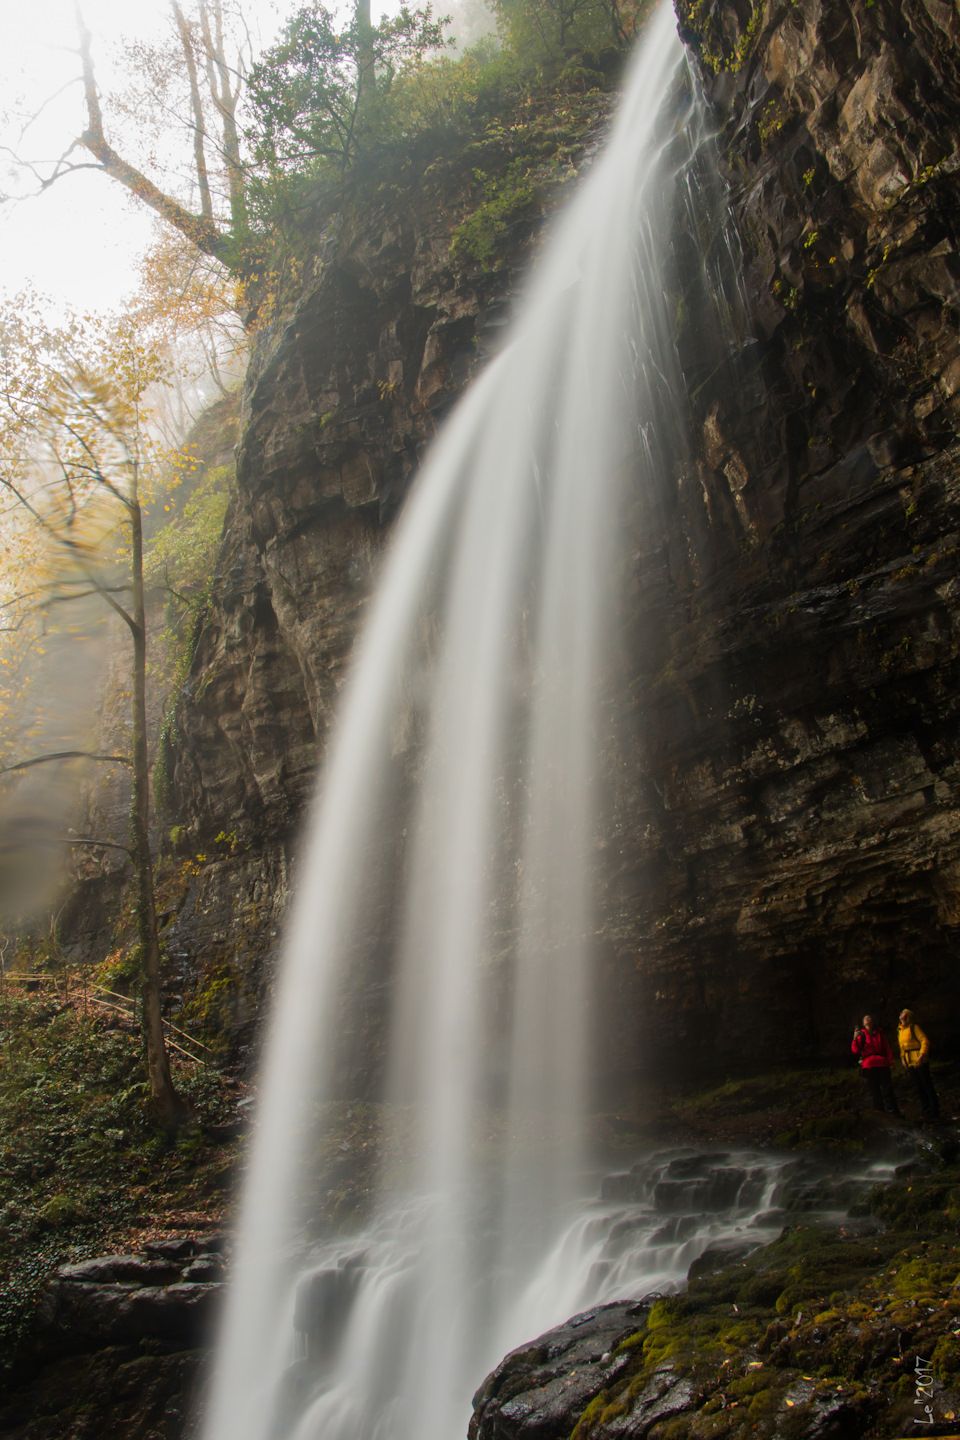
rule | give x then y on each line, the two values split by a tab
795	798
363	356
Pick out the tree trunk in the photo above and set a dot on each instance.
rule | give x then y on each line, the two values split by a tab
199	156
224	95
366	79
200	230
171	1109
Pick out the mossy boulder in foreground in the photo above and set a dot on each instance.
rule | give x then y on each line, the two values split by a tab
827	1332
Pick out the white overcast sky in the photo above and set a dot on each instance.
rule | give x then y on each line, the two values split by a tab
79	241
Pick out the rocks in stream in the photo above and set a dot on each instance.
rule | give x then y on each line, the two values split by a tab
322	1306
540	1390
818	1335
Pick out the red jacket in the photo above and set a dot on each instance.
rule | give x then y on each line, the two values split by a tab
872	1047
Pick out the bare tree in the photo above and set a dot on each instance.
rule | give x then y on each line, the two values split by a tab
74	456
191	82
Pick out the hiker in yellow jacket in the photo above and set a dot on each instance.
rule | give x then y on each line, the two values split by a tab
915	1054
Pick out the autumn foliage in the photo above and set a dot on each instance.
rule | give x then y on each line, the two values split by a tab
78	458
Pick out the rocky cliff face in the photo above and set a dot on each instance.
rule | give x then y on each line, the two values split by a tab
367	348
785	843
797	775
370	345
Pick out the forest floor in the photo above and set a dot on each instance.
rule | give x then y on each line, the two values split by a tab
84	1169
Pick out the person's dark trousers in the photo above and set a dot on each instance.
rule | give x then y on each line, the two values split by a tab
880	1085
929	1100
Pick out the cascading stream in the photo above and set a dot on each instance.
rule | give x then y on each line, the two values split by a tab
452	848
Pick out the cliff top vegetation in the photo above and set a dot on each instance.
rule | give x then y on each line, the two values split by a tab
214	137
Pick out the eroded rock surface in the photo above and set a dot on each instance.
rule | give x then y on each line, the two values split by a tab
123	1299
788	826
819	1335
366	353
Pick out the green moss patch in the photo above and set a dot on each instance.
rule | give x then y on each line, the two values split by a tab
819	1331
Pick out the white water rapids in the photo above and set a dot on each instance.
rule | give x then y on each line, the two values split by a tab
450	861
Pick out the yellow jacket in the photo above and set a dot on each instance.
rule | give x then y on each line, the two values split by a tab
914	1045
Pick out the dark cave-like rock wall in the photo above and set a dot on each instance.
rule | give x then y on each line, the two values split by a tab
798	756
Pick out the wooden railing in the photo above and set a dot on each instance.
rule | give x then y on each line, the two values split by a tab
96	994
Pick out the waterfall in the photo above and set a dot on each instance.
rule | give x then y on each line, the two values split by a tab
442	933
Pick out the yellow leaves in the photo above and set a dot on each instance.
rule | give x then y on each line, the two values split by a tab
179	287
78	452
189	304
182	459
74	414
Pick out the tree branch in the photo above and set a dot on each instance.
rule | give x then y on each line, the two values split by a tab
44	182
199	230
184	600
105	591
225	102
65	755
5	849
102	591
91	844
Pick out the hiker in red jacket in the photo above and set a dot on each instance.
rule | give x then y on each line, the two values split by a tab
876	1061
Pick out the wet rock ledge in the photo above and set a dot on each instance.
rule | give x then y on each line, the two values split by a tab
169	1293
827	1333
